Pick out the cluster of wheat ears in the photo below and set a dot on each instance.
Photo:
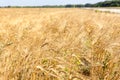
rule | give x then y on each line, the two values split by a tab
59	44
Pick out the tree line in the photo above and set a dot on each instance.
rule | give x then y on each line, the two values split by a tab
107	3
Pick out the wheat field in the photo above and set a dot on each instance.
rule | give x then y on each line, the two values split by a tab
59	44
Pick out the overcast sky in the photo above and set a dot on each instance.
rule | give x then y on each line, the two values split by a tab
43	2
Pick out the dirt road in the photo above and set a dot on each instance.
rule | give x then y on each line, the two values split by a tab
112	10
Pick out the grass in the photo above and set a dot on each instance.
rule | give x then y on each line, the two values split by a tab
59	44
